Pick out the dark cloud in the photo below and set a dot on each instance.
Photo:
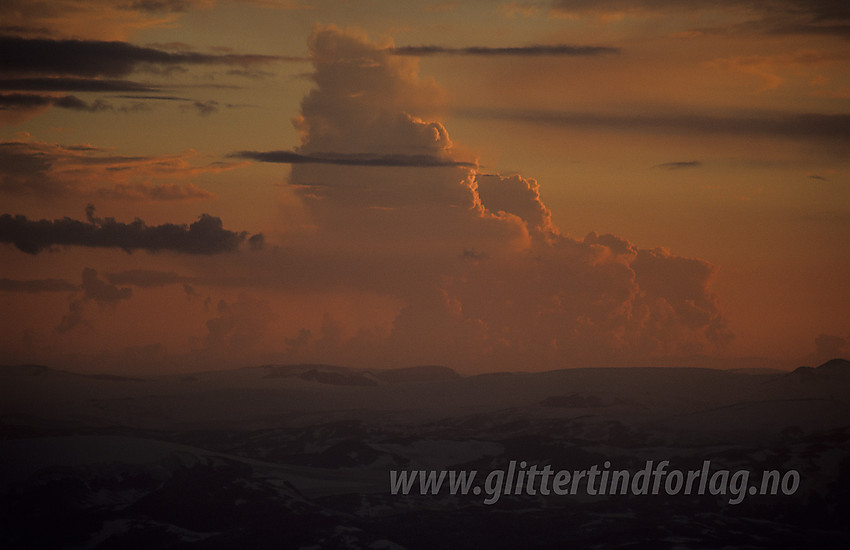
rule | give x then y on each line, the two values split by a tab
256	241
472	255
160	6
203	108
37	285
24	170
799	126
817	177
205	236
24	102
76	104
679	165
35	101
392	160
89	58
830	17
189	290
148	192
72	319
59	84
529	51
154	97
24	30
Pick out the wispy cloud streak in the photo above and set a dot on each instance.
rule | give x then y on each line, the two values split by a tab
392	160
528	51
799	125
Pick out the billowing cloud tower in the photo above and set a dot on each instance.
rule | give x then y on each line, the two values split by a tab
486	279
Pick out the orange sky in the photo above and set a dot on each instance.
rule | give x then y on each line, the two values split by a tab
483	185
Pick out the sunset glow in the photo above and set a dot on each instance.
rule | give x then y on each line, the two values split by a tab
205	184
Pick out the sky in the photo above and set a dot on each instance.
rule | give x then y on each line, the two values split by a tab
206	184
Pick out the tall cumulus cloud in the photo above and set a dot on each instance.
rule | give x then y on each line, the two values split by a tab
487	280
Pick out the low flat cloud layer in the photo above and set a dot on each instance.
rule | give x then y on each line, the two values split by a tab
525	51
34	101
353	159
64	84
679	165
834	127
89	58
815	17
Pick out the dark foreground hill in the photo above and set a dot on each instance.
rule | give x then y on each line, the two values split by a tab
300	456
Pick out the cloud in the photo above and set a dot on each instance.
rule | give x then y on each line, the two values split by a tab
103	19
352	159
49	170
524	51
159	193
75	18
37	285
515	195
29	103
33	101
60	84
91	58
170	6
819	126
679	165
205	236
778	69
155	97
72	319
817	17
484	277
190	290
18	107
203	108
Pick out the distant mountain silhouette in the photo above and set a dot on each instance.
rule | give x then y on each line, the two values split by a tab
345	376
424	373
834	368
336	378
